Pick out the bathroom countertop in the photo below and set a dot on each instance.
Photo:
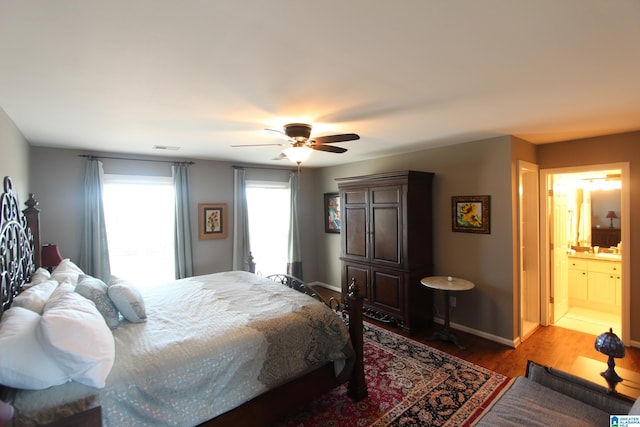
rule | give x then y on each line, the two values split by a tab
605	256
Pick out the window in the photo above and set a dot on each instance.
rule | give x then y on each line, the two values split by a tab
268	211
139	217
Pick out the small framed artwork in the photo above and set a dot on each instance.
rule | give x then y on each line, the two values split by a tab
212	220
470	214
331	213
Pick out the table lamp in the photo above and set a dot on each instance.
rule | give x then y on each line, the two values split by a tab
608	343
611	215
50	256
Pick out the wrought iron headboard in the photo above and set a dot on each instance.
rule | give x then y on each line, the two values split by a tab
16	246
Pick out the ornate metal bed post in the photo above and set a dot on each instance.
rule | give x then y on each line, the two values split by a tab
33	220
357	388
16	247
251	263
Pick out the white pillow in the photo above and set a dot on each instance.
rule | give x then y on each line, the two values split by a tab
36	296
38	276
66	271
96	290
127	299
23	362
76	335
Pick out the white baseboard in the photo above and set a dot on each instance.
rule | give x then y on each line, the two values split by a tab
325	285
481	334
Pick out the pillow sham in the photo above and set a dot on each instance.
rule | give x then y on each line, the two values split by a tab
66	271
96	291
36	296
127	299
38	276
76	335
23	362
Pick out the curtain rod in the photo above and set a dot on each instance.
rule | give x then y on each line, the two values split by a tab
132	159
265	167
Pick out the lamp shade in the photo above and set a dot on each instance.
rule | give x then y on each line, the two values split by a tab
608	343
50	256
611	214
298	154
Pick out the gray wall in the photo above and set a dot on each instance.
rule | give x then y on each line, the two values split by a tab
14	161
57	183
476	168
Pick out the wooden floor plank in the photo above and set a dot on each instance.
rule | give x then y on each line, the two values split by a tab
550	345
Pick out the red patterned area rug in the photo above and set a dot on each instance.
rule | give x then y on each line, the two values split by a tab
410	384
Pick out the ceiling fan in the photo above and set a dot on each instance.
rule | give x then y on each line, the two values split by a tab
298	135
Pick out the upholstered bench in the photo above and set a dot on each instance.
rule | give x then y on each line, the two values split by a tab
549	397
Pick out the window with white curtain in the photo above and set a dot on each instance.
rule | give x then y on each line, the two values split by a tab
139	216
268	210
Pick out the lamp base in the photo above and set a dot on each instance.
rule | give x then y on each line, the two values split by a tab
610	374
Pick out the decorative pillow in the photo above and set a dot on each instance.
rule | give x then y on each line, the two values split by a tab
76	335
23	362
36	296
66	271
38	276
96	290
127	299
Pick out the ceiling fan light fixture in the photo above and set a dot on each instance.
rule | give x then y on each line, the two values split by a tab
299	132
298	154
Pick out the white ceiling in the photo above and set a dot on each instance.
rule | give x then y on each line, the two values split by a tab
126	75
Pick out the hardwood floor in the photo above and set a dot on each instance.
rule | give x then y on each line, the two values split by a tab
550	345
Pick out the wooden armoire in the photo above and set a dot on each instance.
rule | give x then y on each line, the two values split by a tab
387	244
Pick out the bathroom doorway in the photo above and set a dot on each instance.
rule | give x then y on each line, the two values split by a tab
586	222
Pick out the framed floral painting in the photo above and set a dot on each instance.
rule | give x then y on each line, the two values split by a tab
470	214
212	220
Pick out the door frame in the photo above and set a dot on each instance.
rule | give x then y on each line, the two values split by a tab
625	223
532	242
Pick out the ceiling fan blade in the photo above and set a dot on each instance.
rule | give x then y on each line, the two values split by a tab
336	138
280	134
328	148
259	145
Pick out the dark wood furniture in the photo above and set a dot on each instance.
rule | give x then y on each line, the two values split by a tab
89	418
590	369
387	244
19	232
605	237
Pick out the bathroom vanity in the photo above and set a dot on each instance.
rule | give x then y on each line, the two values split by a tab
595	281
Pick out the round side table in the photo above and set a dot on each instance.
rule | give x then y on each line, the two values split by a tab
447	284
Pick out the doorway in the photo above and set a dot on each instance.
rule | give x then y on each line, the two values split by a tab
582	294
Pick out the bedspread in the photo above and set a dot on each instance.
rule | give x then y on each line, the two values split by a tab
209	344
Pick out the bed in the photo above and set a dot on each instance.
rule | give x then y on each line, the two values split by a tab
229	348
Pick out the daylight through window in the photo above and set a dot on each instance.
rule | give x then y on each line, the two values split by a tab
139	217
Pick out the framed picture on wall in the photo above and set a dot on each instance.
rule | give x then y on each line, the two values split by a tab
470	214
331	213
212	220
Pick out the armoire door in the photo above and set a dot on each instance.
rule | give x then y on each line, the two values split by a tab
386	225
355	224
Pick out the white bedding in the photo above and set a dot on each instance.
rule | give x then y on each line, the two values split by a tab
209	344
